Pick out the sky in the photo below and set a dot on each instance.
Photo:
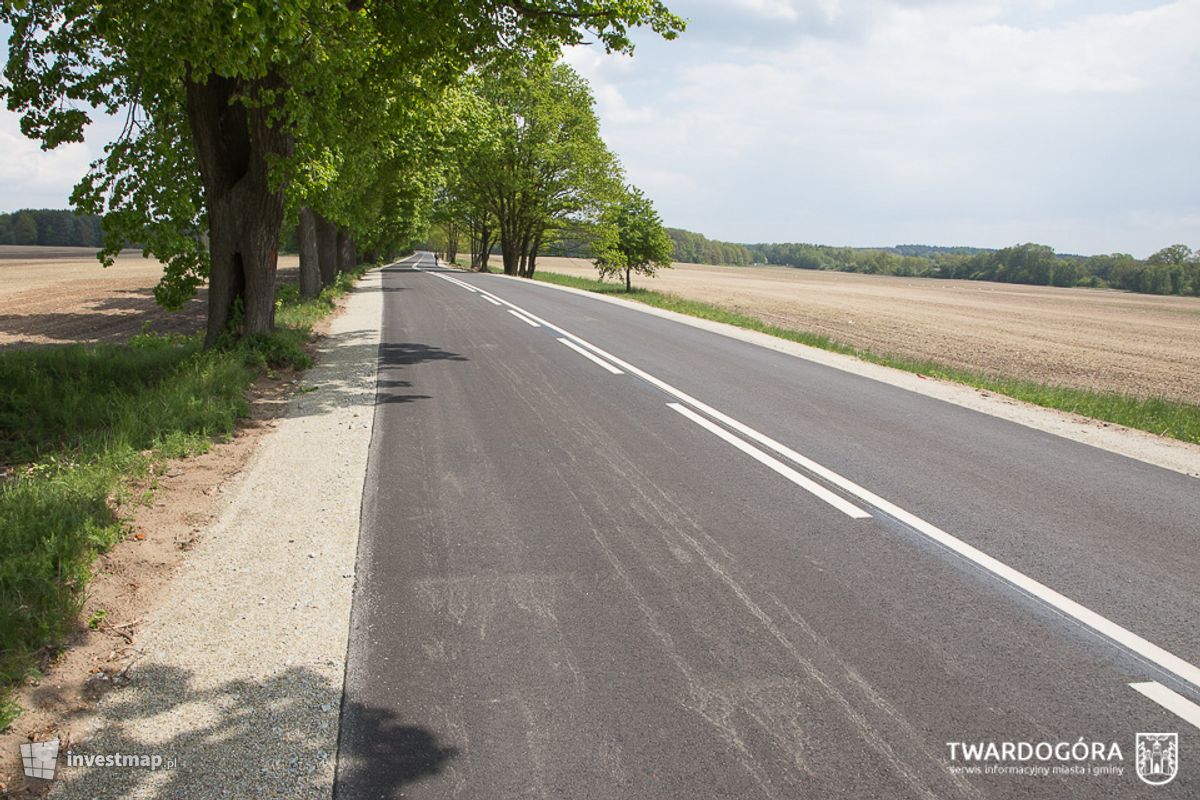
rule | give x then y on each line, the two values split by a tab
1073	123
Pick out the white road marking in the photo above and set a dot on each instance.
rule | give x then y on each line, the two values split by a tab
1170	700
457	282
1065	605
804	482
594	359
491	300
523	318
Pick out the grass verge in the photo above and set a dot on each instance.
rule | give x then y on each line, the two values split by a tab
1156	415
78	424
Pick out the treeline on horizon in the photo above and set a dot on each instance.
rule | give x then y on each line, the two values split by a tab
1172	270
50	227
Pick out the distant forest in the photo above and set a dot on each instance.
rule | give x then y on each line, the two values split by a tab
50	227
1172	270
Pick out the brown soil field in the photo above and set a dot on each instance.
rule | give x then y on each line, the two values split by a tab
1096	339
56	295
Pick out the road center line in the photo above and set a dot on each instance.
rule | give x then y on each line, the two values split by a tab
457	282
804	482
491	300
1123	636
523	318
594	359
1170	700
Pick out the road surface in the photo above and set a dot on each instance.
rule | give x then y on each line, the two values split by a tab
609	555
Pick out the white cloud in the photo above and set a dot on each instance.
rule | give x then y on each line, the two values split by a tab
34	178
897	120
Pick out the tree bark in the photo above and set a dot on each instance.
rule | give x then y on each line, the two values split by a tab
234	145
345	251
327	250
310	264
523	261
628	285
484	249
531	266
451	242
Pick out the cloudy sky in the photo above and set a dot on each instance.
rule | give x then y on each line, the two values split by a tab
1074	123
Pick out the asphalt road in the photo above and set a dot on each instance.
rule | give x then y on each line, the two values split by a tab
608	555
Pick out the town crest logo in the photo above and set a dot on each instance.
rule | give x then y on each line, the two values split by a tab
1157	757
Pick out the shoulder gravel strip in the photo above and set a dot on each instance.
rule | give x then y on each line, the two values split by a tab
1156	450
239	686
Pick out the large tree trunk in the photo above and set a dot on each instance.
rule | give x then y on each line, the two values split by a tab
346	256
531	265
234	145
523	262
327	249
310	264
451	242
510	249
484	250
628	284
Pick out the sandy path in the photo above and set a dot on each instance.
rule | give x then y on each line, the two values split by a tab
55	295
1087	338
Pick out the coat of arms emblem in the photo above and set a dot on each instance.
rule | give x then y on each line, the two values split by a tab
1157	757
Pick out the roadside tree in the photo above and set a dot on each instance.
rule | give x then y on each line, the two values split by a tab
632	239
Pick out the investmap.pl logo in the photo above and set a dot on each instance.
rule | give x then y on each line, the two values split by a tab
40	760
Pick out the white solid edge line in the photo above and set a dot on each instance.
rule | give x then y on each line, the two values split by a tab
593	358
805	483
1065	605
1170	700
523	318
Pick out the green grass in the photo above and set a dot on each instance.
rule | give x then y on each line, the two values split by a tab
78	424
1159	416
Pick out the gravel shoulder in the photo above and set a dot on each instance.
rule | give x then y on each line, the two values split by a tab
239	684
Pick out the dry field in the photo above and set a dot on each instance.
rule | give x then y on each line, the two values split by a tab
52	295
1094	339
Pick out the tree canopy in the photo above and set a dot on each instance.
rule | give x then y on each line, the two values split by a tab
230	105
632	239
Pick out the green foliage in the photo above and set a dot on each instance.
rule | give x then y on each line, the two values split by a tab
346	92
1156	415
694	248
49	228
77	422
530	161
632	238
1173	270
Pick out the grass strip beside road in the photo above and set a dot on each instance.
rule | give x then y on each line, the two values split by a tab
1159	416
79	424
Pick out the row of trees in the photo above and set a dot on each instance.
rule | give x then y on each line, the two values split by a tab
1172	270
527	169
50	228
343	116
695	248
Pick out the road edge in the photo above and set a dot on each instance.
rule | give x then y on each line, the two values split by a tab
1171	454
